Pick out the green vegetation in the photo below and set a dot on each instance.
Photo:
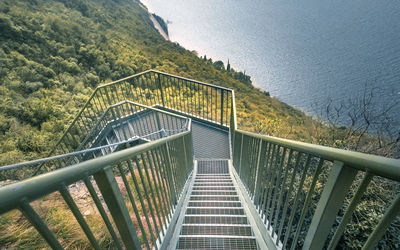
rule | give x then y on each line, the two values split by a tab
53	54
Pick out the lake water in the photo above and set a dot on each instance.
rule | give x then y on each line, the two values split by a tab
302	52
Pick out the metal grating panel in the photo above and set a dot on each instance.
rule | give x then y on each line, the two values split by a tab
201	180
216	230
216	243
215	220
214	188
209	142
214	198
214	204
214	193
213	176
213	184
231	211
213	167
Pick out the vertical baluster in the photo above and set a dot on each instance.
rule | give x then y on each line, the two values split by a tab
39	225
222	107
350	210
165	193
339	181
296	200
276	189
282	191
307	203
291	186
136	184
157	184
79	217
391	213
146	165
271	172
102	212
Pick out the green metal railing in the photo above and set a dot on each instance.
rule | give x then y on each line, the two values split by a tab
126	120
151	88
153	175
299	188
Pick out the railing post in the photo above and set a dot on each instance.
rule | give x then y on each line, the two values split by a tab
161	90
115	202
170	172
260	163
222	107
241	155
384	223
332	197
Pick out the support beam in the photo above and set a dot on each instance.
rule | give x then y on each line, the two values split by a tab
115	202
339	181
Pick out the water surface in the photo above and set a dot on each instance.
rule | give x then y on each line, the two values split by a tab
303	52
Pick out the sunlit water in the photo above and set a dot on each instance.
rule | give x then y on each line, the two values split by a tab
302	52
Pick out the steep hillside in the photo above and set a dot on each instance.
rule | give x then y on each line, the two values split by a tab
54	53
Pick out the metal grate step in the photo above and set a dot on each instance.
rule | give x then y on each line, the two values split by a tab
216	243
213	167
214	192
213	198
215	210
213	184
213	180
199	175
213	188
214	204
216	230
215	220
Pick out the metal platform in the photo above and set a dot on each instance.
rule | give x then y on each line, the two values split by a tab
209	142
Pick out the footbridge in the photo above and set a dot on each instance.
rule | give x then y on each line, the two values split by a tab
166	167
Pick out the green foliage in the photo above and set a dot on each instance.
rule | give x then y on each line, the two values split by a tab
53	53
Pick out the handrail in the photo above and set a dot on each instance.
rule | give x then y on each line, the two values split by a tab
286	178
383	166
165	74
33	188
170	122
57	157
188	96
159	168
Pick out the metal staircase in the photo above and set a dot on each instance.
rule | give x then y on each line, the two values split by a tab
167	168
214	217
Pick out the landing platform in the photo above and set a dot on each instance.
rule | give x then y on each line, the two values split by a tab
209	142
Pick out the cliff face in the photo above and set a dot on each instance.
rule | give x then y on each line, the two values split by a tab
54	52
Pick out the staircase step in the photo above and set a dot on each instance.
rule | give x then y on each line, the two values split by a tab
205	188
214	198
213	184
237	220
196	242
213	180
214	210
213	176
214	217
214	192
215	204
237	230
